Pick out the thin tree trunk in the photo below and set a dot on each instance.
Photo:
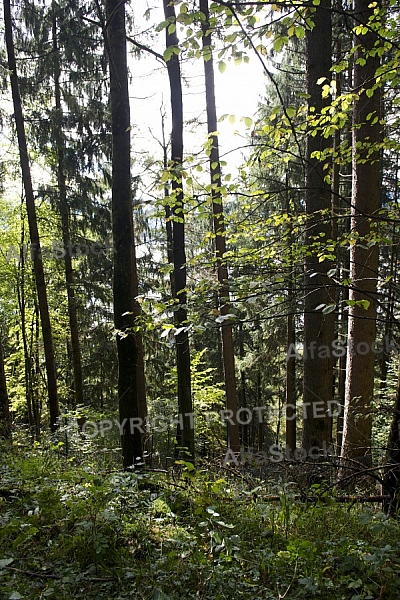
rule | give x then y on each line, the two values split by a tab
141	378
27	356
168	213
318	327
33	228
219	231
5	417
389	318
242	391
64	211
336	213
363	256
392	475
290	388
35	371
123	235
291	384
260	418
185	434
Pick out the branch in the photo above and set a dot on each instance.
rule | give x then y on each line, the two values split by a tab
145	48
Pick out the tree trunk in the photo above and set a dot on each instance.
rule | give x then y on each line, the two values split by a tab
5	417
363	256
185	431
389	317
141	378
318	327
260	419
27	355
64	211
33	228
123	235
290	388
219	231
392	475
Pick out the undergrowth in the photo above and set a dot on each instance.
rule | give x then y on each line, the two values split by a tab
77	527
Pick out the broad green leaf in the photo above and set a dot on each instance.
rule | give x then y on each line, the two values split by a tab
290	111
168	52
278	43
222	66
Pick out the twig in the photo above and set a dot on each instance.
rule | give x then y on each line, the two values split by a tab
32	574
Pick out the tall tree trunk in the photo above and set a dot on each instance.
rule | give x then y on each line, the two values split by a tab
260	419
290	388
33	228
123	235
168	213
318	327
392	475
219	231
389	317
34	365
140	374
343	188
185	434
363	256
27	355
5	417
64	211
242	393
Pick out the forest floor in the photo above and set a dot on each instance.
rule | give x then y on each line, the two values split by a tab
77	527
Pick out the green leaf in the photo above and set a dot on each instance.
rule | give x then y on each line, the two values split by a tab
278	43
168	52
364	303
290	111
222	66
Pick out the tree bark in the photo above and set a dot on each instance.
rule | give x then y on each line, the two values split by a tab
363	256
5	417
33	228
392	475
123	235
219	231
141	377
318	327
185	434
290	388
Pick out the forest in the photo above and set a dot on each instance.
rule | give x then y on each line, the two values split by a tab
199	308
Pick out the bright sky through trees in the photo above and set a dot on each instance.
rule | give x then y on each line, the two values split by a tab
237	92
